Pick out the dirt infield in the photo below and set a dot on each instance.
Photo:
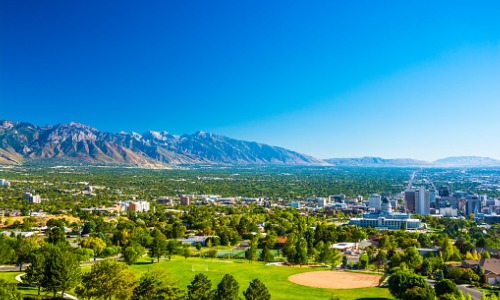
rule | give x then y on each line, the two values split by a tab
335	279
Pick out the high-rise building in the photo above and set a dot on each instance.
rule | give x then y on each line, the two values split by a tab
422	201
375	201
472	204
32	198
185	200
138	206
444	191
409	200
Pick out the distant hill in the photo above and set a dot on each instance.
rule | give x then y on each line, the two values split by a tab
467	161
369	161
459	161
20	141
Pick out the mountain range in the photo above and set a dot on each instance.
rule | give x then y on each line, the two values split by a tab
455	161
20	141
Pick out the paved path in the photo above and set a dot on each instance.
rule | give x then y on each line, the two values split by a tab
476	295
66	295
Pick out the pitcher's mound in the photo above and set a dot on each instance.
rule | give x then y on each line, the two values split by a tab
335	280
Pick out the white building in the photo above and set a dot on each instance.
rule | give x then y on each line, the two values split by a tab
448	211
422	201
387	220
138	206
322	202
375	201
4	182
344	247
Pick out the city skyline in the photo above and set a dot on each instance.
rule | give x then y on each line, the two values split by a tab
392	80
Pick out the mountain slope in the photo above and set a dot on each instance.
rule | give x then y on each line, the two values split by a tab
78	142
467	161
369	161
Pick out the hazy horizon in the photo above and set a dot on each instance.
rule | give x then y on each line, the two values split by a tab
391	80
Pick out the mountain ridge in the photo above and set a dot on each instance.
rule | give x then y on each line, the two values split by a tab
80	142
452	161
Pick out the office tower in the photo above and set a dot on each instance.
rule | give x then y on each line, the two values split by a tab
422	201
409	201
375	201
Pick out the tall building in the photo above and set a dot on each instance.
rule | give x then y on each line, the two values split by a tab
444	191
375	201
185	200
32	198
409	200
138	206
422	201
472	204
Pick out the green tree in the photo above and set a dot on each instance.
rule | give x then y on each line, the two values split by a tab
257	291
266	255
155	285
449	251
158	248
363	261
251	252
424	240
290	249
96	244
132	253
8	291
408	285
302	252
419	293
381	259
446	286
412	258
186	252
7	250
24	247
107	279
344	261
427	267
199	289
35	271
172	247
56	235
227	289
335	258
62	270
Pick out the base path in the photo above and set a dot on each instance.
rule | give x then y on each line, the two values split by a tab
335	279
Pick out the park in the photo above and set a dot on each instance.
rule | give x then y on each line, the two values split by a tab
283	282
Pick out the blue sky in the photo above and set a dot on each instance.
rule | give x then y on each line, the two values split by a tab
329	78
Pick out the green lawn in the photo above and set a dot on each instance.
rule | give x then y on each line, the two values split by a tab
9	276
274	277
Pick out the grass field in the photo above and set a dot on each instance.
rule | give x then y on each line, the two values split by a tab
274	277
9	276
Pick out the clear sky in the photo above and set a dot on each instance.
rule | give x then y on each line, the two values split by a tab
416	79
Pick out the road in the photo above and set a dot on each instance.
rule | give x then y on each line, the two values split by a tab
476	295
410	183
